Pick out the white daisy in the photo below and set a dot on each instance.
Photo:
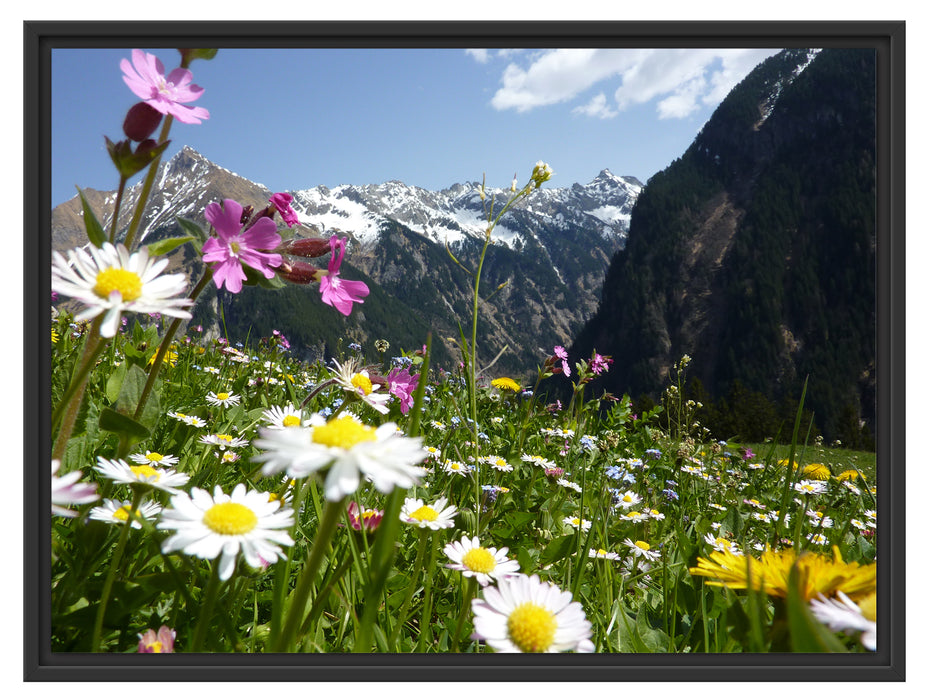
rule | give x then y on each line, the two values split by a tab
538	460
627	500
498	463
196	421
112	281
524	615
569	485
451	466
222	525
641	549
575	521
843	615
633	516
721	544
154	459
348	450
483	563
437	516
358	382
222	398
117	512
655	515
65	491
222	440
120	472
603	554
810	488
284	417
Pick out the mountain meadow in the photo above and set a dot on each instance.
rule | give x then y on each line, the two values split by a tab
610	418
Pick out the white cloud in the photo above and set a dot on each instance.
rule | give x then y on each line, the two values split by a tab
681	79
597	107
480	55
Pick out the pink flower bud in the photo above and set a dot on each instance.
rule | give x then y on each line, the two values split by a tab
298	272
141	121
306	247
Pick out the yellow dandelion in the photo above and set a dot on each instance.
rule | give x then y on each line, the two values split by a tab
848	475
171	358
816	471
505	383
770	573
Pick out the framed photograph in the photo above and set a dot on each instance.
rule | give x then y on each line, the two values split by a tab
418	350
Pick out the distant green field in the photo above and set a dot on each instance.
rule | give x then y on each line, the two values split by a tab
837	459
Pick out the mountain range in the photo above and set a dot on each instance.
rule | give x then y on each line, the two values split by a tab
543	270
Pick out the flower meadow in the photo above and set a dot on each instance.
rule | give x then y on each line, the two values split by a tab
215	496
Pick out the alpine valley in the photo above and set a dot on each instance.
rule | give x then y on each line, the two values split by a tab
541	278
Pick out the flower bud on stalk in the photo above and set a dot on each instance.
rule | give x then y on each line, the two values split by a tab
141	121
305	247
298	272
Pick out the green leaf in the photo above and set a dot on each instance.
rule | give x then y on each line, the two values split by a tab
166	245
124	425
115	382
559	548
129	162
95	233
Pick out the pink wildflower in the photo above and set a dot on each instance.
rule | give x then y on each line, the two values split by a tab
361	517
600	363
561	353
65	491
231	247
340	293
161	643
402	385
146	77
282	202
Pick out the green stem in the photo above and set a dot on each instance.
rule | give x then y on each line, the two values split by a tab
471	586
298	599
114	567
146	188
426	615
67	410
412	584
206	608
116	208
163	348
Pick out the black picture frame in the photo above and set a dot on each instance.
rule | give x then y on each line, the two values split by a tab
887	664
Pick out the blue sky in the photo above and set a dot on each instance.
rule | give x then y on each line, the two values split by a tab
297	118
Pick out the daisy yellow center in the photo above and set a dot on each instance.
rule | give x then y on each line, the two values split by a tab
645	546
116	279
634	514
223	396
156	647
627	499
531	627
360	381
369	513
291	421
344	432
425	513
602	552
154	457
230	519
144	471
122	513
479	560
222	437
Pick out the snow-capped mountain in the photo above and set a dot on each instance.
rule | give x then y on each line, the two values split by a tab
545	267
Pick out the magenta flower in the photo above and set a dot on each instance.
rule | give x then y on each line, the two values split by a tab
361	517
233	248
146	77
561	353
340	293
161	643
282	202
600	363
402	385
